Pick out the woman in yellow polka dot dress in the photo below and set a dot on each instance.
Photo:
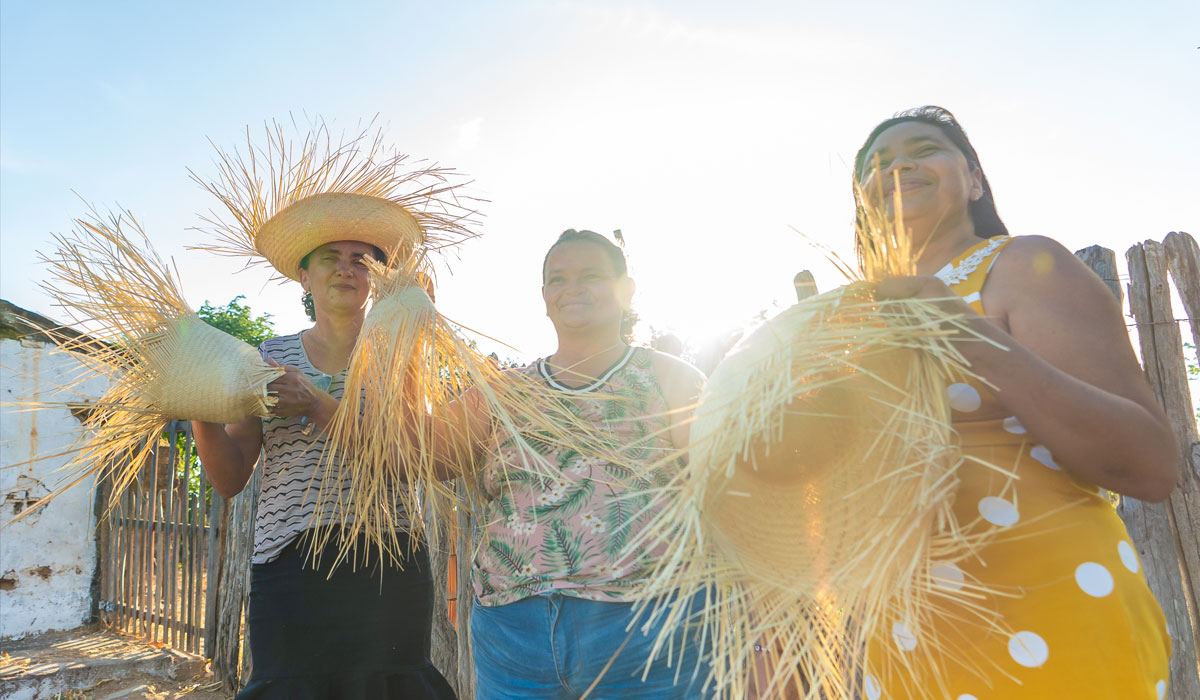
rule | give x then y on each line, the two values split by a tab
1067	408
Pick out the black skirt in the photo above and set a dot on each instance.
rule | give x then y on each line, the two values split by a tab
360	634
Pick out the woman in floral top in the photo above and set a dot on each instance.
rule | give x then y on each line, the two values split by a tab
554	582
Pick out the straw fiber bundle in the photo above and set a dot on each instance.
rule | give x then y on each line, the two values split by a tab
163	362
817	504
409	360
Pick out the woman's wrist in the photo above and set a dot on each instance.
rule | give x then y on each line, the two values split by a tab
320	411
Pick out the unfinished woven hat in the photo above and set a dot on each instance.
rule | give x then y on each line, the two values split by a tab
162	361
818	498
290	195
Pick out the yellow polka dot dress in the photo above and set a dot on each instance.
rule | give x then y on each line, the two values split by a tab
1076	619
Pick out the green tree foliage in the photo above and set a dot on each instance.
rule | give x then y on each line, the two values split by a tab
234	318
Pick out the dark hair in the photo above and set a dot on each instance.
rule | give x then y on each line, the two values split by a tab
616	256
306	298
983	210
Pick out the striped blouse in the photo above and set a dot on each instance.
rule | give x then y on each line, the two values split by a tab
290	459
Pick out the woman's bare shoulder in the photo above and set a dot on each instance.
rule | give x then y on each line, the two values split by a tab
1032	269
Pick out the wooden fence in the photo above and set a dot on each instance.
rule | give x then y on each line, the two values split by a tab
1167	535
176	567
156	551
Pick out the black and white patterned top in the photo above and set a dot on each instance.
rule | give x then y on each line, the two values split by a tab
290	460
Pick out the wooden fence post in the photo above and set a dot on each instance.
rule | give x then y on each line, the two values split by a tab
465	558
1104	263
233	582
1168	535
439	536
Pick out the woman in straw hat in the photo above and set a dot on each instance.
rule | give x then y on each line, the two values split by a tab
554	582
360	629
1065	406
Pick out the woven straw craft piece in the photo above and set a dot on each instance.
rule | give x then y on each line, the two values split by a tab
817	503
163	362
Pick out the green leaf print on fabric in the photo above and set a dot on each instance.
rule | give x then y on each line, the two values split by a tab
515	561
541	442
613	408
618	516
484	579
564	503
564	548
565	459
505	505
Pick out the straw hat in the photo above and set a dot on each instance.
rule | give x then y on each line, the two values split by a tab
319	189
312	222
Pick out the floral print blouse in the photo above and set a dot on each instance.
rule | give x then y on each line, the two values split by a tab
568	532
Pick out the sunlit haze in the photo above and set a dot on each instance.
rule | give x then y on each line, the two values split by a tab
716	136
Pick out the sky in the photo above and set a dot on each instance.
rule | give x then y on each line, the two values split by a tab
716	136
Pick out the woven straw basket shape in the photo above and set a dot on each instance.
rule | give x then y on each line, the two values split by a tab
808	513
324	218
202	373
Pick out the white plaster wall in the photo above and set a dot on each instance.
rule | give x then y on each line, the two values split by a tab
48	558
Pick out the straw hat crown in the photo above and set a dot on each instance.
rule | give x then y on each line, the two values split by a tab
312	222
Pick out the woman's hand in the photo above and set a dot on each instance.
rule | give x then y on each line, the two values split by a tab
296	395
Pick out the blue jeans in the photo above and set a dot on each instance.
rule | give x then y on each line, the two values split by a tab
553	647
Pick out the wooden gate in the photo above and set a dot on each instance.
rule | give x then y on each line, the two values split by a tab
156	550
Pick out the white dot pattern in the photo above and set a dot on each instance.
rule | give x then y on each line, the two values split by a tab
1042	454
1012	425
871	687
963	397
947	575
905	639
967	696
1028	649
1128	556
1161	688
1094	579
998	511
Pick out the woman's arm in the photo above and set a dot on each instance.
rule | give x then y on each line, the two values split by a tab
458	435
228	452
1068	374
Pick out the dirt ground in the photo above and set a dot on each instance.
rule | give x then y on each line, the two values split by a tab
67	652
149	688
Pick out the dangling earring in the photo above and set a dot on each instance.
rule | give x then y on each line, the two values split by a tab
307	299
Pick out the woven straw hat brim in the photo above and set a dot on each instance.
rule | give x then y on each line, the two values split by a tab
807	512
310	223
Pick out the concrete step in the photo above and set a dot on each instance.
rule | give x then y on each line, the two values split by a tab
44	665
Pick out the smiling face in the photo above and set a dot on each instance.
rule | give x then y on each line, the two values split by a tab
336	275
582	289
936	181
